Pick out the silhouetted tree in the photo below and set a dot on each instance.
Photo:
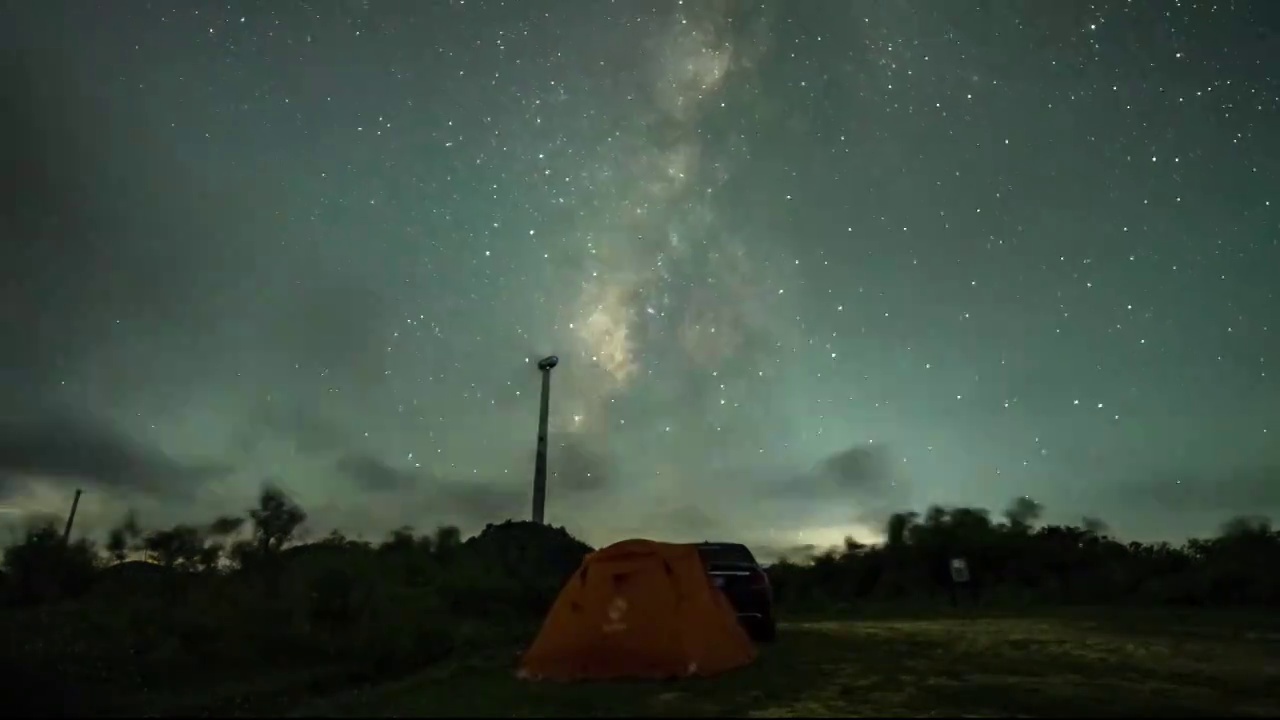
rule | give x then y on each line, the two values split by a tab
124	538
225	526
1094	526
1055	563
179	547
414	597
117	546
42	568
446	542
1023	513
276	520
899	528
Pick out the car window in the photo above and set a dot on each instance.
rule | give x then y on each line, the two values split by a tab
725	553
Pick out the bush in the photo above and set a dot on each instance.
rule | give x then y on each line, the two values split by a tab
42	569
225	612
335	607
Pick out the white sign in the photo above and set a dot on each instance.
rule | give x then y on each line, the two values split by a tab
959	570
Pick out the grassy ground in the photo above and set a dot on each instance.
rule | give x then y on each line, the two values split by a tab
1096	663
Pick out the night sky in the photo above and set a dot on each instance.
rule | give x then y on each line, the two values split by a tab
804	263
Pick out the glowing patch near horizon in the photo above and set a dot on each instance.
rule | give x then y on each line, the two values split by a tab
834	535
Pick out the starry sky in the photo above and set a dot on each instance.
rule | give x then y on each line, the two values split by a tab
804	263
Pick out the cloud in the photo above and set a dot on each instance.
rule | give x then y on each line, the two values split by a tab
860	468
855	484
481	502
575	467
1229	491
418	491
308	430
338	326
372	474
82	450
690	522
578	474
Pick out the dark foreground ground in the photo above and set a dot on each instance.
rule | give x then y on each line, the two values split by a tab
1100	663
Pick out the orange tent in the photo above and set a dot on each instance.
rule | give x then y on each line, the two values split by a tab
638	609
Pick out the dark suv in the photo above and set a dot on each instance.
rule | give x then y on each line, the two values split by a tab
734	570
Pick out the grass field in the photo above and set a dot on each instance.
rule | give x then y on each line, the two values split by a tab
1097	663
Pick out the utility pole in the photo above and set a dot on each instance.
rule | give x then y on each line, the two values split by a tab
71	518
545	365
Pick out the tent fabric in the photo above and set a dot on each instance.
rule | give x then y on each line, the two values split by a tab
638	609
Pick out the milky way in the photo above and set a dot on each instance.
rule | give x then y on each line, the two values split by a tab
659	266
804	263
